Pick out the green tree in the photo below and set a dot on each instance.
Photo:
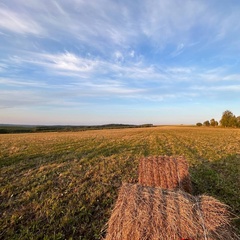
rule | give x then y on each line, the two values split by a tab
206	123
199	124
213	122
238	121
228	119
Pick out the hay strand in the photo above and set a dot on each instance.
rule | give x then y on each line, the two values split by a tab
166	172
143	212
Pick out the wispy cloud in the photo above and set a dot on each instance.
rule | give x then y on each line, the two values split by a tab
62	63
68	62
179	50
3	67
104	25
117	90
141	74
18	22
21	83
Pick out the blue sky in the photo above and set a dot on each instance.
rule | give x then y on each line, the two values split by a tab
108	61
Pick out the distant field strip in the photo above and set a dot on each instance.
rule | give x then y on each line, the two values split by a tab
63	185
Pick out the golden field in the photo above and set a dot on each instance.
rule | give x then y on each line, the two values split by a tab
64	185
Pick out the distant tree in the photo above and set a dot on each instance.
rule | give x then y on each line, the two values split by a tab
199	124
213	122
216	123
238	121
206	123
228	119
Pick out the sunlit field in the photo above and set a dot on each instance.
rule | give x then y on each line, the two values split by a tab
64	185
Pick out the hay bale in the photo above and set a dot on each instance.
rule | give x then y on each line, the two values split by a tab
152	213
166	172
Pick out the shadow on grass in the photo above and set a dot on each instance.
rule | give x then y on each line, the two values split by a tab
220	179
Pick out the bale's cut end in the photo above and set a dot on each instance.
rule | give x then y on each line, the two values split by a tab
143	212
166	172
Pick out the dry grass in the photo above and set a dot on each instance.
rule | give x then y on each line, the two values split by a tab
63	185
152	213
166	172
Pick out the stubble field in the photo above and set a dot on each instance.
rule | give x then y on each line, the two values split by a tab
64	185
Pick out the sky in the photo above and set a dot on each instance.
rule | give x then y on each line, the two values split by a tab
94	62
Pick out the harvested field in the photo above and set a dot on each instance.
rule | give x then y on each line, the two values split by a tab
166	172
64	185
152	213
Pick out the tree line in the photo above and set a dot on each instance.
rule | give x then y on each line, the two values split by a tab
62	128
228	120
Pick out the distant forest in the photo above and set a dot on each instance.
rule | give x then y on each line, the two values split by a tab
228	120
8	128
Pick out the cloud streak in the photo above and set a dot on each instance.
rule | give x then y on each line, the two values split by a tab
104	24
18	23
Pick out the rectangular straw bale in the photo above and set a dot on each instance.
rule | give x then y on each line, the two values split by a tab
149	213
166	172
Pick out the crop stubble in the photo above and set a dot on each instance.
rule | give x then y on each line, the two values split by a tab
62	185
